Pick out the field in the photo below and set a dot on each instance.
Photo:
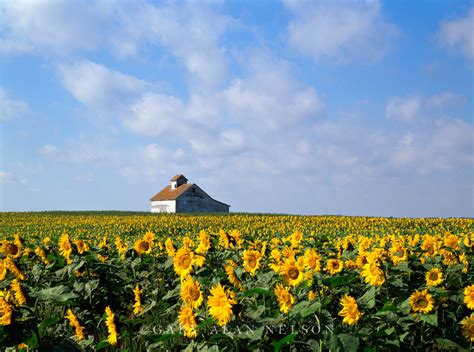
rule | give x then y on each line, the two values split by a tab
238	282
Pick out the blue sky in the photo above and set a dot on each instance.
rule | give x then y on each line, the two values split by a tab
305	107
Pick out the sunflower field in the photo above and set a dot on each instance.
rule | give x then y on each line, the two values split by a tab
237	282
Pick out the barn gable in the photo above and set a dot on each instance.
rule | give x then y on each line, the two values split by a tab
182	197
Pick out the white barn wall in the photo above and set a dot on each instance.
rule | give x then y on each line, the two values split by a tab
169	204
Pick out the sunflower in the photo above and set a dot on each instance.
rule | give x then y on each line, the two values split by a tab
112	338
236	237
3	270
229	269
285	298
6	312
191	293
142	246
251	261
149	237
65	247
121	247
223	239
170	250
19	296
11	249
334	266
311	295
10	265
372	274
467	327
183	262
312	260
469	296
292	271
75	324
41	254
361	259
81	246
137	306
187	320
421	302
275	256
452	241
398	253
220	304
350	310
434	277
204	243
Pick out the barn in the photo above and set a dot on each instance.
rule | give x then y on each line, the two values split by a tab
183	197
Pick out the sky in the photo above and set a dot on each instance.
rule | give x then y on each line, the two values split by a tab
301	107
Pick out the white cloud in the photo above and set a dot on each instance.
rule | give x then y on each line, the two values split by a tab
270	97
52	26
155	114
98	87
9	178
445	99
403	109
85	150
459	34
411	108
10	108
191	31
339	29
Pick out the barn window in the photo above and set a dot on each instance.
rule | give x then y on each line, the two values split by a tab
194	190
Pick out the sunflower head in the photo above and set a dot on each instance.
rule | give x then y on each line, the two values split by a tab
220	304
434	277
334	266
187	320
183	261
251	261
191	293
467	327
350	310
469	296
292	271
421	302
284	297
142	246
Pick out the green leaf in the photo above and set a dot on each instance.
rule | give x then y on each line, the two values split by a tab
304	309
431	319
257	291
287	339
349	342
91	286
446	344
57	293
172	293
48	322
368	298
101	345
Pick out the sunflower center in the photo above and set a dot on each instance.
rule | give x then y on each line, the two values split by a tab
433	276
293	273
185	261
252	262
421	302
144	246
12	249
430	250
194	293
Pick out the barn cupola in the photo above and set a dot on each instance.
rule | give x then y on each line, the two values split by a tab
177	181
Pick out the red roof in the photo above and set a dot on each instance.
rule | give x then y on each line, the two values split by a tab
171	194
